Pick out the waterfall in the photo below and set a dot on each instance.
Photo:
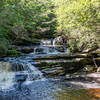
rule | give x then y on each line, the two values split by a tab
18	70
47	48
34	73
21	80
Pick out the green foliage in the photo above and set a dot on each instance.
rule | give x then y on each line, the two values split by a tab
79	19
29	19
12	53
26	20
22	18
73	46
3	46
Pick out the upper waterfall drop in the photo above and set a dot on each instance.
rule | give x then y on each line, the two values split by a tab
47	48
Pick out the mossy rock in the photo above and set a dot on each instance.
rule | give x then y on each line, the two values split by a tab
13	53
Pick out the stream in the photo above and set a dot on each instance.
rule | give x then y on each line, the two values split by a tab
20	79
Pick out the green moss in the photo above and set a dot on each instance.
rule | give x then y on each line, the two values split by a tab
12	53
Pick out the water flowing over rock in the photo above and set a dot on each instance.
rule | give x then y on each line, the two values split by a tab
21	78
23	81
21	70
47	48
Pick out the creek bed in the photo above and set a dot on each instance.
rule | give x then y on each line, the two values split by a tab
31	84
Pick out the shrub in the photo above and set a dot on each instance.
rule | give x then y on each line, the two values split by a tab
3	46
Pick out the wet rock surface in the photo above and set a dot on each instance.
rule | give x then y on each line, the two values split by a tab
52	72
60	49
47	75
20	78
27	50
22	49
39	51
8	67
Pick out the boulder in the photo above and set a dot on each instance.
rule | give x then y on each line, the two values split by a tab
27	50
39	51
60	49
20	78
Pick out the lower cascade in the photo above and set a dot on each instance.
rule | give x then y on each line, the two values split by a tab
21	80
20	71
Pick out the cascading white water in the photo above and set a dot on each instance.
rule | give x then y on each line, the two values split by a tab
34	73
47	48
6	80
15	70
45	42
23	66
20	80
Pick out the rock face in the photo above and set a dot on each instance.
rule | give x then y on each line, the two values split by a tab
73	63
20	78
56	71
23	42
23	49
27	50
11	67
67	65
24	46
39	51
63	56
88	81
59	68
